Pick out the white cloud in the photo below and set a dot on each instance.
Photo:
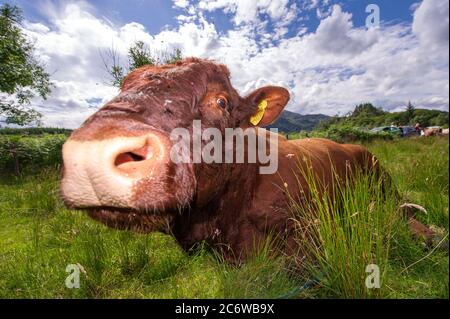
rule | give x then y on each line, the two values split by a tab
313	4
36	27
336	35
430	23
249	12
181	3
327	71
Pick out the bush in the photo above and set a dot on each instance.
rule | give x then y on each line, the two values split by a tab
344	134
369	116
34	131
20	154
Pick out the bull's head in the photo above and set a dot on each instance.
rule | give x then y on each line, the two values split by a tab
117	165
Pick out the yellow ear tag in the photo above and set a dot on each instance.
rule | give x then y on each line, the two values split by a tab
257	117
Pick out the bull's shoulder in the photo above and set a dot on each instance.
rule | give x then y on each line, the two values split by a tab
267	134
316	146
328	146
360	153
327	151
356	149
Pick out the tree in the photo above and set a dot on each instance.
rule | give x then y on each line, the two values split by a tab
138	55
409	112
366	109
21	75
174	57
440	120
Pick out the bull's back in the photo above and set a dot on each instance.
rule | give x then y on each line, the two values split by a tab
327	158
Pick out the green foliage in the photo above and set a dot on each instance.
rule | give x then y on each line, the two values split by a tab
34	131
409	113
20	154
343	134
19	114
173	57
21	75
366	110
138	55
368	116
118	74
430	118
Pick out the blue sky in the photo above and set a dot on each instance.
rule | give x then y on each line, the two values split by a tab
156	15
321	50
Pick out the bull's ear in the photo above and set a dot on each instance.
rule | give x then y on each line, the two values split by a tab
266	103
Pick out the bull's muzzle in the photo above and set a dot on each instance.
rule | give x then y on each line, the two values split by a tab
105	172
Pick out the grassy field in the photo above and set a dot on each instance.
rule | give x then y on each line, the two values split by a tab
39	238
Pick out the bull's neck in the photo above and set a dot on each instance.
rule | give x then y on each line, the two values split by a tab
222	214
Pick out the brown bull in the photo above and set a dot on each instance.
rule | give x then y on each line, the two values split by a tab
117	165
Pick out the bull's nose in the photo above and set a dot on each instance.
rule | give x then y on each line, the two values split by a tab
103	172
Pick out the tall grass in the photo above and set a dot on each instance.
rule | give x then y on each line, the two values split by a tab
419	168
341	237
343	230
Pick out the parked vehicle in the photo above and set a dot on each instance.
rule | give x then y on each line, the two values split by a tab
393	130
409	131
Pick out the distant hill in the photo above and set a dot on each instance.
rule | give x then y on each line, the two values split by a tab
290	122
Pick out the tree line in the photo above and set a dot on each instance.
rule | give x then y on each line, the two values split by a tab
366	115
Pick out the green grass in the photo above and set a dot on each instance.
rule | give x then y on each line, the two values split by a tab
39	238
419	168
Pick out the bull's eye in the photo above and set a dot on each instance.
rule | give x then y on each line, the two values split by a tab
222	102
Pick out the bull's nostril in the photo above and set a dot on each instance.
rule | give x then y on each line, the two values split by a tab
137	158
134	156
127	157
